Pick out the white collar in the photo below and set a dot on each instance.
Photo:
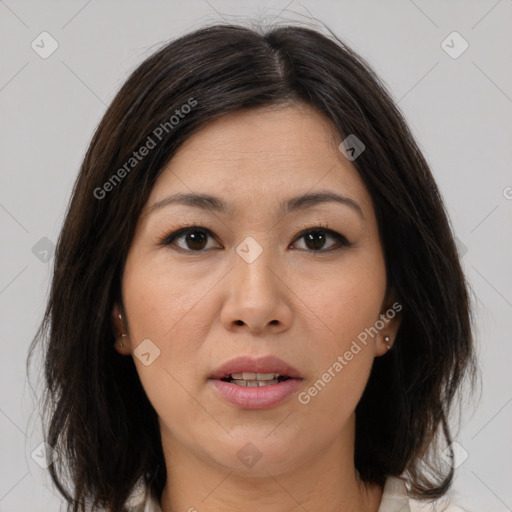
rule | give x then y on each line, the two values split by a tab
394	496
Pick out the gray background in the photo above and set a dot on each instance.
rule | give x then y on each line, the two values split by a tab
458	108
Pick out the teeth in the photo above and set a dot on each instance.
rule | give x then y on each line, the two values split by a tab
254	380
254	383
254	376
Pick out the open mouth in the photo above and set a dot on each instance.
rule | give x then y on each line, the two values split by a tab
249	383
247	379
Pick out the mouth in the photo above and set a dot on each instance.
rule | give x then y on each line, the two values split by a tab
261	383
251	372
253	380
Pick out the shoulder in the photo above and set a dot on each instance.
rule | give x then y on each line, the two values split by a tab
395	498
151	505
436	506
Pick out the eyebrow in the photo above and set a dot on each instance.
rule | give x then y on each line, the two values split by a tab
209	202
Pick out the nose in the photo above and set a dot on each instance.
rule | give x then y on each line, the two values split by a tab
257	297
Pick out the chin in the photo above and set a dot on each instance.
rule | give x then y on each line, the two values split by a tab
256	454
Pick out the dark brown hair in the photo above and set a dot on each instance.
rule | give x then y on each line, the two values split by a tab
99	417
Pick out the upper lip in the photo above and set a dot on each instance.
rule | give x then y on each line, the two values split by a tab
266	364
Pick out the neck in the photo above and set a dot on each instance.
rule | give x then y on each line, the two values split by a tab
324	481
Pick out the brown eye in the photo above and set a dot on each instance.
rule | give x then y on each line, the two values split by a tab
196	240
315	240
192	239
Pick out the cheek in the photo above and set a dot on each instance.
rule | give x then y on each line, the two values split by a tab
347	303
345	299
163	301
171	306
166	308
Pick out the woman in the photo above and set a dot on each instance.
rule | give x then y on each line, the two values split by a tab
257	302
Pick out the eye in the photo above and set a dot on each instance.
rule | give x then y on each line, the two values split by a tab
195	239
192	238
316	237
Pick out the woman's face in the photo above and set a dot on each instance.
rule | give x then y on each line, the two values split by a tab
249	281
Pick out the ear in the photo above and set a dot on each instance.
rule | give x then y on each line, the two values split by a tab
390	319
118	329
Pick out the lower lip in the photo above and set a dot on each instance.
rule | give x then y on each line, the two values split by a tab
263	397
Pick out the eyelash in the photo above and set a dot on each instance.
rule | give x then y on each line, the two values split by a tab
341	241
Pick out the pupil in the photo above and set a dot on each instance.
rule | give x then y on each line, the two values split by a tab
316	244
196	240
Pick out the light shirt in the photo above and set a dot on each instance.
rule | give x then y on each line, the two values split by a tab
394	499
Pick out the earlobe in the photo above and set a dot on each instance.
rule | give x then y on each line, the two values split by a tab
390	319
121	345
120	348
384	344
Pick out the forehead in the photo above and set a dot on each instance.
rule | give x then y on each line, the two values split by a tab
262	153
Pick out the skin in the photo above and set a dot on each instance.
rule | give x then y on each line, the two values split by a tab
201	309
